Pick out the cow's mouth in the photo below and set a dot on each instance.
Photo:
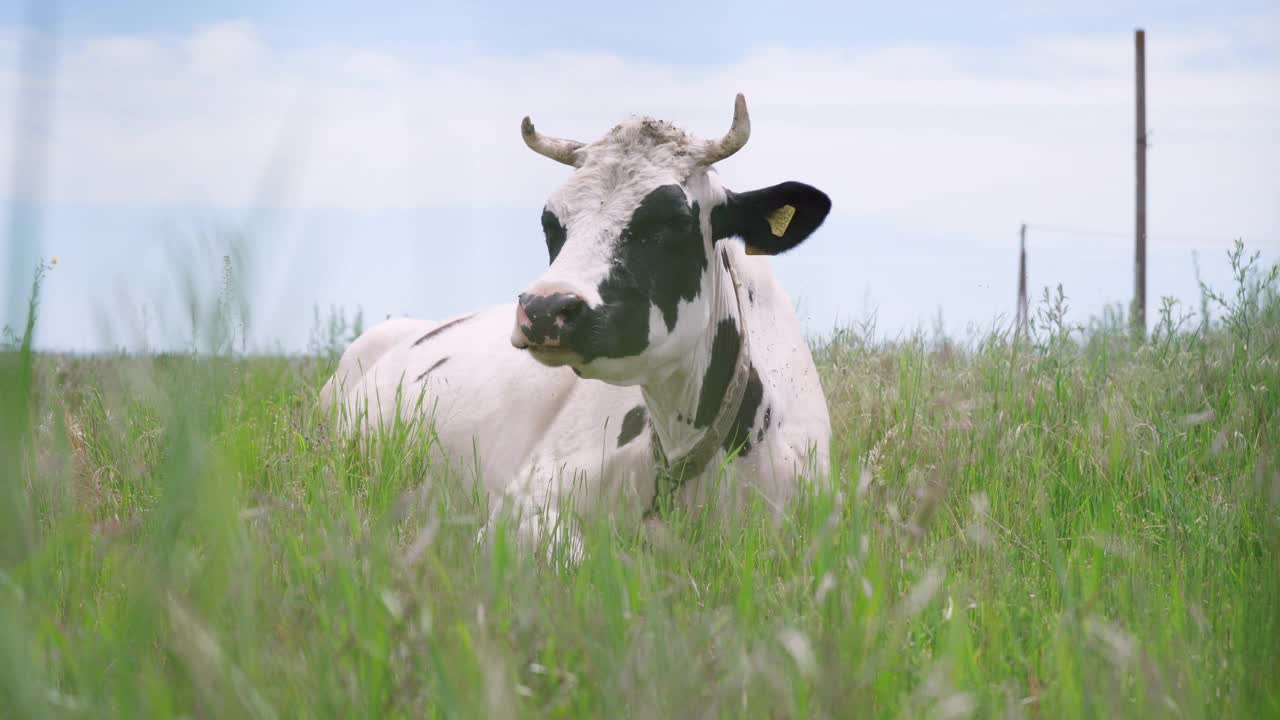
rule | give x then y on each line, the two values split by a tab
543	347
553	356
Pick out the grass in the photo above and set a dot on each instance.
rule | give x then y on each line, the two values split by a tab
1070	524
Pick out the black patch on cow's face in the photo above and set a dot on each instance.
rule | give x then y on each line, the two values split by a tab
740	434
658	260
725	347
434	365
764	423
555	233
632	424
747	215
436	331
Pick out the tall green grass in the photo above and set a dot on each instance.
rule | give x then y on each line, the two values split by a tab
1070	524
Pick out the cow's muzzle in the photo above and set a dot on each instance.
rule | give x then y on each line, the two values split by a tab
545	322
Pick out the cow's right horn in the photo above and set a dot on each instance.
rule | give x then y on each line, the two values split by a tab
557	149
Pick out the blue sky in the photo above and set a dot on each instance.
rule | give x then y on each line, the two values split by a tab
397	182
668	30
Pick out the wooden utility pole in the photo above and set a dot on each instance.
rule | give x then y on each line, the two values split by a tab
1140	229
1020	324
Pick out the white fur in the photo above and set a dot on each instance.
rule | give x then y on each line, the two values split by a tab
366	350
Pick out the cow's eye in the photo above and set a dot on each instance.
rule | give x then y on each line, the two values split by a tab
555	233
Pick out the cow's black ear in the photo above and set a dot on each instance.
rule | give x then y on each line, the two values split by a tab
771	220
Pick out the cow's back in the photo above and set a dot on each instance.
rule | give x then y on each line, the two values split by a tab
365	351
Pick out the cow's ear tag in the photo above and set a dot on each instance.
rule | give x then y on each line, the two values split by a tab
751	250
779	219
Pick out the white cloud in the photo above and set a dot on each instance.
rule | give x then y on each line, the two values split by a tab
963	139
223	48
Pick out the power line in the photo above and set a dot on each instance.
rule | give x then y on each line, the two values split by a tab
1088	232
1077	231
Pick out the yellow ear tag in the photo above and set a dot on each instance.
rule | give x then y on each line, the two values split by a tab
779	219
751	250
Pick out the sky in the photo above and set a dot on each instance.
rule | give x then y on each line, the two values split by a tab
369	157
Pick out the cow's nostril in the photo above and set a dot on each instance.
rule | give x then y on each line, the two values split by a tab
570	306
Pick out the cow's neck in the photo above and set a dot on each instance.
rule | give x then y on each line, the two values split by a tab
695	407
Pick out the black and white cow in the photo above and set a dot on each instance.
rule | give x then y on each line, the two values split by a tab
655	347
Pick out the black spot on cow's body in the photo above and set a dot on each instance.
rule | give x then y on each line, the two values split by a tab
724	258
632	424
555	233
764	424
433	367
715	382
658	262
436	331
740	434
751	294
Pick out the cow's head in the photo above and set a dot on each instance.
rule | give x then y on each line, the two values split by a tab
631	237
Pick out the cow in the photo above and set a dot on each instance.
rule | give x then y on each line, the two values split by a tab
655	363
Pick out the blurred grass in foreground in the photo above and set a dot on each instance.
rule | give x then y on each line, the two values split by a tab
1066	525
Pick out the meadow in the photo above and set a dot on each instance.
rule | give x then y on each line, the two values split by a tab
1070	523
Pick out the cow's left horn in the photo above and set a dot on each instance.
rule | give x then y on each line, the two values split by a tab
554	148
733	140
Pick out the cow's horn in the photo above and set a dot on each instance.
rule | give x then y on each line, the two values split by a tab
733	140
554	148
